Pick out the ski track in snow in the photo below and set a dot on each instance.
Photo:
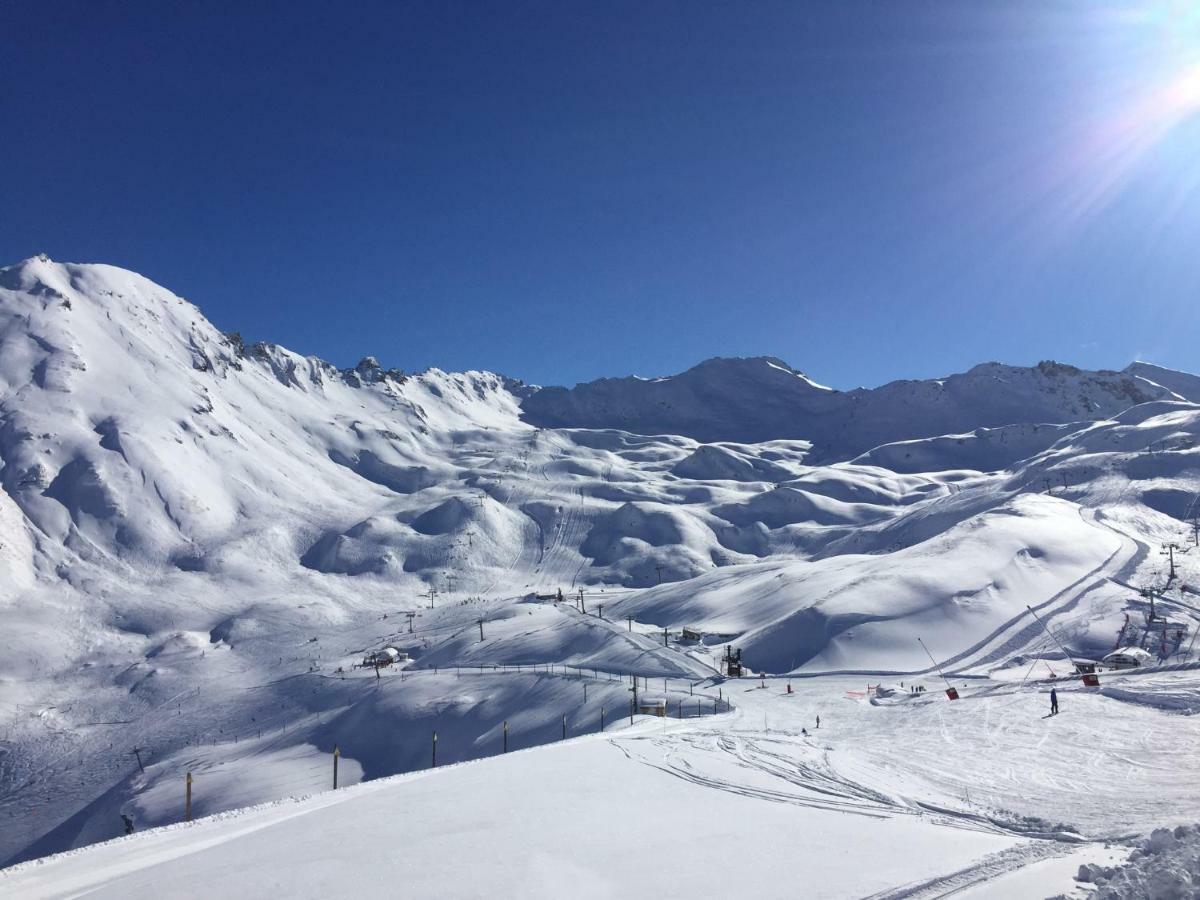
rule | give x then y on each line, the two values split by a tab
990	867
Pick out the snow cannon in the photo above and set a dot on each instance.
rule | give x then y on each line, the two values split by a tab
951	690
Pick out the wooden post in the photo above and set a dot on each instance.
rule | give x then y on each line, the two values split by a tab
506	736
337	752
434	766
564	737
585	692
629	619
632	707
187	800
602	718
665	634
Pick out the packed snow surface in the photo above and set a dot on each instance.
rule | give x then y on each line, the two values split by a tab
202	541
921	798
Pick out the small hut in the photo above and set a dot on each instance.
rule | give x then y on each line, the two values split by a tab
1128	658
653	706
385	657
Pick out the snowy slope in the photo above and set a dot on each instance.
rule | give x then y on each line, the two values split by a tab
201	540
134	429
917	798
1184	384
849	611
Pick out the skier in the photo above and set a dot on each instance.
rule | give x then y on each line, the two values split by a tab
1053	702
128	823
818	721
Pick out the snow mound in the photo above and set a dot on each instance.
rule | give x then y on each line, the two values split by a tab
1165	867
712	462
983	450
787	505
636	539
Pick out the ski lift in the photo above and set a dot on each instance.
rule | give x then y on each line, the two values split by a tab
733	662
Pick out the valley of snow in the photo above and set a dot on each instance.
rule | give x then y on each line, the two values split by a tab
200	540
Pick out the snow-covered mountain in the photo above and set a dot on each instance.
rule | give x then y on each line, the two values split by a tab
135	431
199	540
761	399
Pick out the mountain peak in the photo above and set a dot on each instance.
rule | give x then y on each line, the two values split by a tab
1186	385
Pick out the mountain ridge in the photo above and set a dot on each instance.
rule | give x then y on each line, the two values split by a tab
755	399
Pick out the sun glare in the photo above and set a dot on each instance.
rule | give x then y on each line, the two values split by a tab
1160	60
1182	96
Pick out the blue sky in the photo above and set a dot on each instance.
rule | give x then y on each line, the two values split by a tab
562	190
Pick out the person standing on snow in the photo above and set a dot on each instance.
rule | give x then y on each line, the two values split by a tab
128	823
1053	702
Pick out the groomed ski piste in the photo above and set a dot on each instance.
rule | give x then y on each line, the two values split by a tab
204	541
929	798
